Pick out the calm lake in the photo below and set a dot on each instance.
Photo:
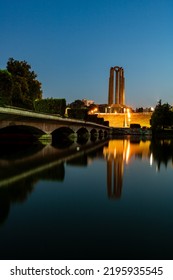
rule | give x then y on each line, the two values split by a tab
109	200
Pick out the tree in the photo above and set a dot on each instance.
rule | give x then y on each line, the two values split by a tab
77	104
6	87
162	116
26	88
78	110
140	110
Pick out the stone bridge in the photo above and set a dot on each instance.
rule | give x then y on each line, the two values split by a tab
12	120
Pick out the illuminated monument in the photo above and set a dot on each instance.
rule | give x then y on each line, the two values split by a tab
116	112
116	93
119	90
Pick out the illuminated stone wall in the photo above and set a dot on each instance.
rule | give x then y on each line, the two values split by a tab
120	119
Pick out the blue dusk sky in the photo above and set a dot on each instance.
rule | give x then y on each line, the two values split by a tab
71	45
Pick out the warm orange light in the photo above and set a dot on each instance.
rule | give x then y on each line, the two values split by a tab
127	149
92	111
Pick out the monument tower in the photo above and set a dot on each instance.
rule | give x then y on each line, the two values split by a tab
116	94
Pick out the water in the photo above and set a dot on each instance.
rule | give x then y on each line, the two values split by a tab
108	200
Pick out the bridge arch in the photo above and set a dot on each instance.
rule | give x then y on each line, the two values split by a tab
62	137
82	135
62	131
20	132
93	134
101	133
93	131
82	130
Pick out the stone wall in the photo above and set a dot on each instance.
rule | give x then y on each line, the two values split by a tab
120	119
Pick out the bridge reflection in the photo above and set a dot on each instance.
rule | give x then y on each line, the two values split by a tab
21	163
21	169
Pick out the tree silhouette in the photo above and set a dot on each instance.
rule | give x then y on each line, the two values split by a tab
162	116
18	85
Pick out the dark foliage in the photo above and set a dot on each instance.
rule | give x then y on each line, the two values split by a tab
50	106
6	87
18	85
78	113
162	117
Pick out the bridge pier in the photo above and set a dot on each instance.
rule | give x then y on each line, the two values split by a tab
45	139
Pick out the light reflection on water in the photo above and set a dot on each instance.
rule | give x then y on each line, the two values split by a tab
108	201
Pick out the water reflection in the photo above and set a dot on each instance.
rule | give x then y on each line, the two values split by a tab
21	169
118	153
17	193
80	210
30	161
162	151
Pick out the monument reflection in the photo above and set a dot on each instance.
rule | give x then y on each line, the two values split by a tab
118	153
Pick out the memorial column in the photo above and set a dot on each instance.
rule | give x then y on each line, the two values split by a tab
111	86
